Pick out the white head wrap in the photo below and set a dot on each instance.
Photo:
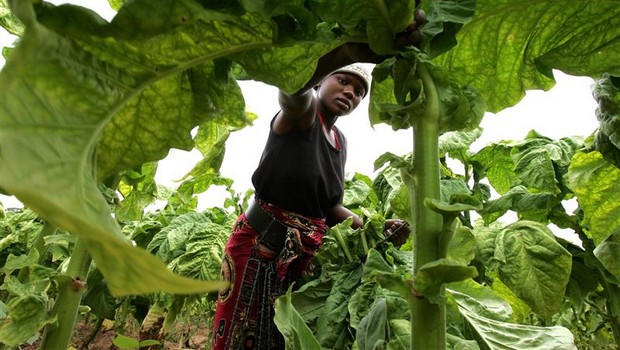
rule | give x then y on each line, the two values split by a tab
359	71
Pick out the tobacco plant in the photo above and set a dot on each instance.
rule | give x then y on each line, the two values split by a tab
84	100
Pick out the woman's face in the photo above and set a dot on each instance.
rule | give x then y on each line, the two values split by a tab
341	93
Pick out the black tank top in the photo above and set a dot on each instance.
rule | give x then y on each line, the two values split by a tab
301	171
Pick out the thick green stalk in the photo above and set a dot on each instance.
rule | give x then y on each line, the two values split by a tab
364	241
68	300
428	329
343	244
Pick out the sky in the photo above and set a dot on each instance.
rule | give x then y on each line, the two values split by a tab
565	110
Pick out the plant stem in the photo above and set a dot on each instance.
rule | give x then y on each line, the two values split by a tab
68	300
343	244
364	241
428	320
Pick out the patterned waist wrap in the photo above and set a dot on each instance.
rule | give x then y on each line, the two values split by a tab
257	276
303	239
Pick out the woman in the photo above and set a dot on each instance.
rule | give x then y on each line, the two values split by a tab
299	187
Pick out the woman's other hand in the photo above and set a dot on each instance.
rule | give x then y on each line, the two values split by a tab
397	231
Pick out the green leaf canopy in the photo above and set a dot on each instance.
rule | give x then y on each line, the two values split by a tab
83	99
511	46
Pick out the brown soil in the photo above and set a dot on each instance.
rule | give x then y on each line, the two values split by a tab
184	339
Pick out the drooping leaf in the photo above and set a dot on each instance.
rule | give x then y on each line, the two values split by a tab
210	141
331	331
358	192
535	169
498	335
444	20
461	107
596	183
296	333
480	299
607	253
116	95
371	330
607	94
309	300
485	242
202	254
400	334
395	95
386	185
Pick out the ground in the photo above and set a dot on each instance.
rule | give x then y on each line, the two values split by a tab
190	338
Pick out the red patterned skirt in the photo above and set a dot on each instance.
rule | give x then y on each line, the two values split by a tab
257	276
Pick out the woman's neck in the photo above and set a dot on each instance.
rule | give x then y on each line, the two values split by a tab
329	119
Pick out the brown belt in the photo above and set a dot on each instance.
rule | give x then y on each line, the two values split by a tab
271	232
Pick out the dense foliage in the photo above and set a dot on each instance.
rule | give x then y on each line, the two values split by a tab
88	106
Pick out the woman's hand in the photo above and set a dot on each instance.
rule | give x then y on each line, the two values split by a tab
397	231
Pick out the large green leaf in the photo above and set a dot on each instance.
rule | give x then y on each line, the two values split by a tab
531	206
607	254
379	20
596	183
495	162
8	20
309	300
26	315
498	335
455	142
511	46
445	19
480	299
533	265
400	333
332	331
606	91
67	98
371	330
296	333
536	162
